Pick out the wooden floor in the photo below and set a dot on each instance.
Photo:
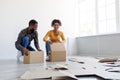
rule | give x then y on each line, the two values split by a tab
11	70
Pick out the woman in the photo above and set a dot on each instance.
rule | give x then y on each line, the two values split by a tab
54	35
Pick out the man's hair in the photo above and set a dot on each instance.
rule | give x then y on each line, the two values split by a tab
56	21
32	22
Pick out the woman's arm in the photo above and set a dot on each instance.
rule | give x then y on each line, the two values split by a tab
46	37
62	37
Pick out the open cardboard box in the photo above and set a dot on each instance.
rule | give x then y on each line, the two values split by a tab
34	57
58	52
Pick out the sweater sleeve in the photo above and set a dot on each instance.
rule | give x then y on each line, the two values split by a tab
17	43
46	36
62	37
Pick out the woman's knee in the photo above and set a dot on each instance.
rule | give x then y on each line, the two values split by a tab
47	42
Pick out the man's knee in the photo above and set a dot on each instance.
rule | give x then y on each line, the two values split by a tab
26	38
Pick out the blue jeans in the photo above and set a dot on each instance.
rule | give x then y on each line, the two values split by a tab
25	44
47	45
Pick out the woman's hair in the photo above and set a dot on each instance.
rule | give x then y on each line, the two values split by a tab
56	21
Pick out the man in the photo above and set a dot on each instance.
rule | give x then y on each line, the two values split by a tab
26	36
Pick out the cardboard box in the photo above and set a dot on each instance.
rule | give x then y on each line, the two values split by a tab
34	57
58	52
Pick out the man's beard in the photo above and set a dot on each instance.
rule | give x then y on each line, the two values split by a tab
32	30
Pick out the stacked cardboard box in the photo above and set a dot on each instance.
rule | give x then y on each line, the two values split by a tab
34	57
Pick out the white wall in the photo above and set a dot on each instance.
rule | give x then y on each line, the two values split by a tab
15	14
101	45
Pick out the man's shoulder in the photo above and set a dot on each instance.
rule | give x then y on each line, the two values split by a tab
23	30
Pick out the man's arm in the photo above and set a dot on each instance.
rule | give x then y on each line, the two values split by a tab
36	41
17	43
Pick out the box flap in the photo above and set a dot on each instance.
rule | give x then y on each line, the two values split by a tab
36	52
57	47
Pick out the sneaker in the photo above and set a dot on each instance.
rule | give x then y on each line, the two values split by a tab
47	58
19	56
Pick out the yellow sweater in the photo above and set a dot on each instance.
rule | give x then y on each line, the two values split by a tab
54	38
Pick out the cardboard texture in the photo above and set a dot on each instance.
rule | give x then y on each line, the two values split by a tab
58	52
108	60
34	57
40	73
63	78
59	67
76	69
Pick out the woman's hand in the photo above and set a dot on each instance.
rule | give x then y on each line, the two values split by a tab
50	42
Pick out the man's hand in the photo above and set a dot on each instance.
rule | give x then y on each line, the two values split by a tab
25	51
39	49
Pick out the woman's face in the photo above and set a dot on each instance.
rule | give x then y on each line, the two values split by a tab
56	26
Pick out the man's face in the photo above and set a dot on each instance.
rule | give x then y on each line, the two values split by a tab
35	26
